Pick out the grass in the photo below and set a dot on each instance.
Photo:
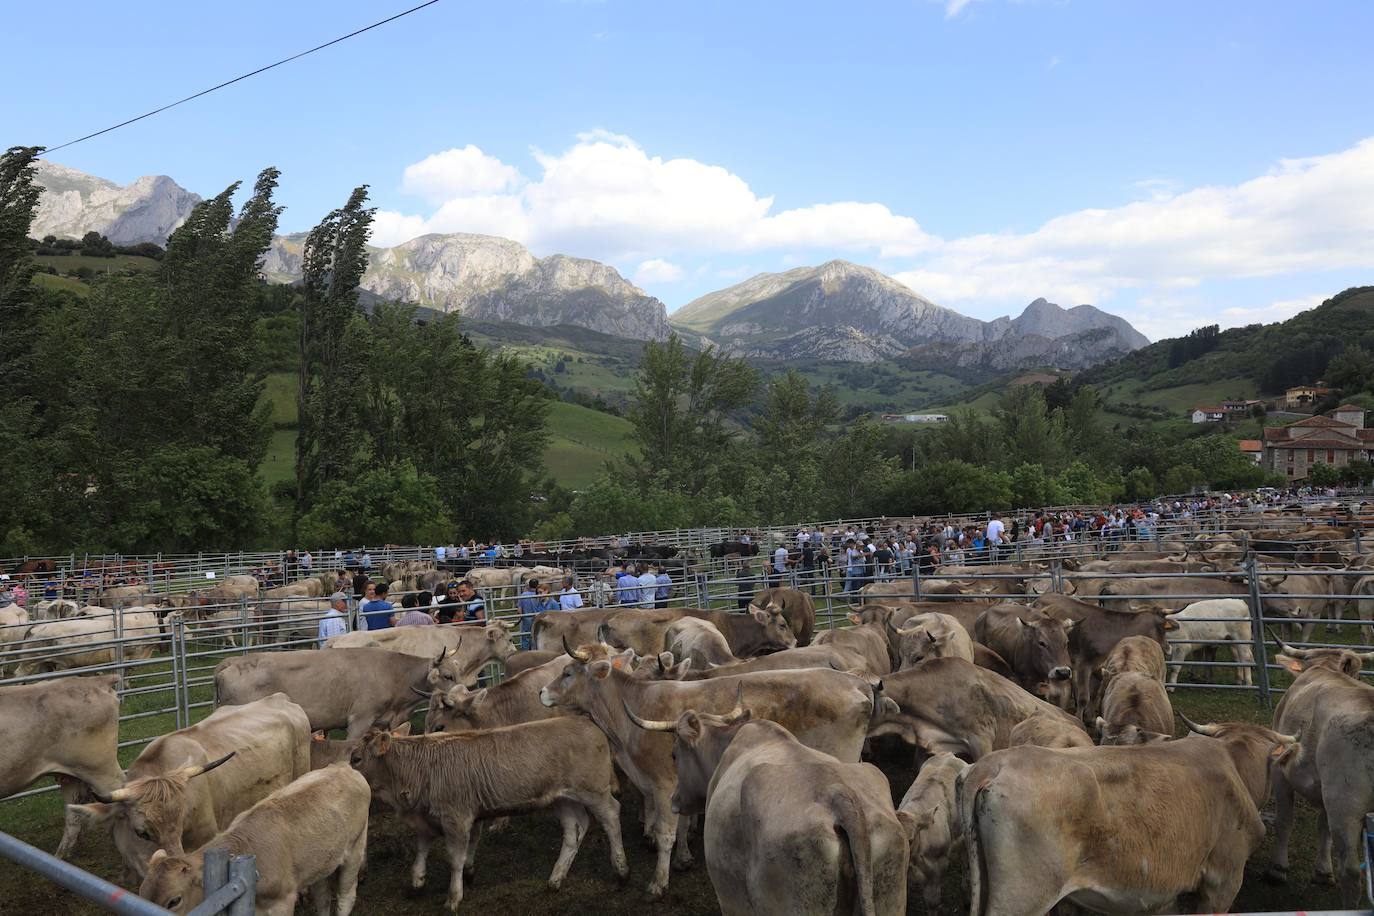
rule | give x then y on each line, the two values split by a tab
582	440
62	264
67	284
280	391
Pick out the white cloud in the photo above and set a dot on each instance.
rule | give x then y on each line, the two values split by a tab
954	7
457	172
1275	311
1054	62
605	197
657	270
1305	214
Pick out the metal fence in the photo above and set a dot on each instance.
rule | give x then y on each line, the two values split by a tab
229	883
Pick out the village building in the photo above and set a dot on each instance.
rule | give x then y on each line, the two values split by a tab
1291	451
1253	449
1208	414
1302	397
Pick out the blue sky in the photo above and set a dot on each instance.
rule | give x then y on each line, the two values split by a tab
1177	163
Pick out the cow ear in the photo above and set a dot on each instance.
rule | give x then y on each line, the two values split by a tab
96	813
890	707
599	669
854	618
1170	623
761	615
495	633
317	736
402	731
383	743
1350	665
157	857
433	677
1294	665
622	660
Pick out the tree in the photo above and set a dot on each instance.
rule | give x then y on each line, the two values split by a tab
949	486
790	445
382	505
18	204
1141	485
330	438
1029	431
679	410
1323	475
1031	487
1351	370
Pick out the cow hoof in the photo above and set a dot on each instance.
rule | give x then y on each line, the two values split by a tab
623	876
1276	875
555	885
684	864
656	890
1323	878
649	842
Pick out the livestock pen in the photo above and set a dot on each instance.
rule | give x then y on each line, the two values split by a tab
172	687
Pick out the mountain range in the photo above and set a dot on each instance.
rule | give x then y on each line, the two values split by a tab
837	311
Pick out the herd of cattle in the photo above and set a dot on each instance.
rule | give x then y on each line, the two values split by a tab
1042	727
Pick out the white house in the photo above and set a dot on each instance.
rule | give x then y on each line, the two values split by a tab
1208	414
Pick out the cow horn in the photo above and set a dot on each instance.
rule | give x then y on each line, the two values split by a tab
192	772
1284	647
1365	656
649	725
118	795
1209	730
908	628
442	652
574	653
424	693
739	710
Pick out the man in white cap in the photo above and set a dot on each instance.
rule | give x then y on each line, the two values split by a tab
335	620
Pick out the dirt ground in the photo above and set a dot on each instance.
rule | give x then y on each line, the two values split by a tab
512	866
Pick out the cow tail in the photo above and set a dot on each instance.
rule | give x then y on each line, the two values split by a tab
535	628
966	799
849	816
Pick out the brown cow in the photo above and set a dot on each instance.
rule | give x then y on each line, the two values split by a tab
1034	644
1333	711
514	700
1182	817
1135	710
930	819
795	605
443	784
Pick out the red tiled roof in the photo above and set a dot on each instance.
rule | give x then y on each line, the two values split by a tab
1321	421
1210	409
1251	445
1275	432
1365	435
1348	407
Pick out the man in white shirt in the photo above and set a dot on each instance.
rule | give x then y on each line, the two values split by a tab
440	554
779	567
335	620
569	599
648	585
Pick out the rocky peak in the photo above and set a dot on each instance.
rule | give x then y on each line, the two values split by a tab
74	203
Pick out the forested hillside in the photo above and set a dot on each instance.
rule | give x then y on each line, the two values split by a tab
1274	356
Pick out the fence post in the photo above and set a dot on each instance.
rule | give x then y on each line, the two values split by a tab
1358	548
216	873
1257	632
243	623
244	868
916	578
178	659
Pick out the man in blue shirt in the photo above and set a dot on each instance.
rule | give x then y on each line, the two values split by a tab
533	600
626	587
664	589
377	612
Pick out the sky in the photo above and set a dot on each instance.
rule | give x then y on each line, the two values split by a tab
1177	163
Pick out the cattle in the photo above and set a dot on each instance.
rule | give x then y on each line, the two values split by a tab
998	580
309	835
755	633
734	549
1292	596
14	626
230	590
867	637
1165	593
188	784
325	752
467	648
1135	710
698	641
118	596
930	819
838	658
1362	592
1117	829
795	605
490	577
67	728
825	709
551	628
1095	633
1034	644
527	659
1139	654
1049	731
56	609
443	784
1333	711
514	700
1197	633
769	803
83	641
352	689
948	704
926	636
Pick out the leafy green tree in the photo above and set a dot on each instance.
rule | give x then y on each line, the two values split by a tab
1323	475
1351	370
330	438
949	486
966	436
1140	485
382	505
1029	431
1032	487
1181	478
679	410
1357	473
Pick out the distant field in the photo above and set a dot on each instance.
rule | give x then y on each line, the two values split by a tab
1184	397
62	264
581	441
70	284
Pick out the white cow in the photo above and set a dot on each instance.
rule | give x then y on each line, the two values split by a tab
1234	629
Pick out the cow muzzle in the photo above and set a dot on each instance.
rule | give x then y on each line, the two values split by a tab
1061	673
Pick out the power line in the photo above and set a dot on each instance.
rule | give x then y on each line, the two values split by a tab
285	60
